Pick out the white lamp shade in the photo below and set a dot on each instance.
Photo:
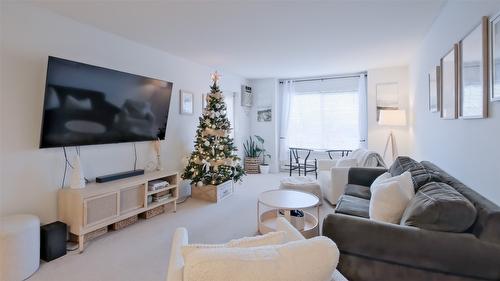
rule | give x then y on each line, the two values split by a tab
392	118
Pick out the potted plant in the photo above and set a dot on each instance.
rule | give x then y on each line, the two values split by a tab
252	154
264	167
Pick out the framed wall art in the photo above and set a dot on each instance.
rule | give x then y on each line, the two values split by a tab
449	87
264	114
387	97
434	89
473	72
494	58
187	103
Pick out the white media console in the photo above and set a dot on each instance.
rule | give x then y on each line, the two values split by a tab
99	205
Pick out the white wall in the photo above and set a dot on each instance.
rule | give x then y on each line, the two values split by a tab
266	95
31	177
467	149
377	135
241	119
1	111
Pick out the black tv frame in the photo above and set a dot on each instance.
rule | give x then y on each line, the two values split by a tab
171	85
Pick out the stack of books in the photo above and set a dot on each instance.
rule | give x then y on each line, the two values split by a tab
157	184
162	196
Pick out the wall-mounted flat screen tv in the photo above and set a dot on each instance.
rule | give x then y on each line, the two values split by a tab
86	104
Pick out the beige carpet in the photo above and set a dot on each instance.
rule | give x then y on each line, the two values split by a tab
141	251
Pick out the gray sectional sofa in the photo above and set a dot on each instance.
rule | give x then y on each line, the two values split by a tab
372	250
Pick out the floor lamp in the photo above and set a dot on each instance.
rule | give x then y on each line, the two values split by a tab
392	118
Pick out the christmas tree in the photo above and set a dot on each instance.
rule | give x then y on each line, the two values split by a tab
213	160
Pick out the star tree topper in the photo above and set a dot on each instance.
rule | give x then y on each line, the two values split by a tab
215	77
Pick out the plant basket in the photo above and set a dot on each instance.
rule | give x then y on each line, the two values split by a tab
252	165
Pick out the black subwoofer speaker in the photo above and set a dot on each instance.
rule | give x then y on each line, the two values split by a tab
53	240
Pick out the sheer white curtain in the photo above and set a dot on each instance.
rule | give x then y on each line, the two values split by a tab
326	113
363	112
287	93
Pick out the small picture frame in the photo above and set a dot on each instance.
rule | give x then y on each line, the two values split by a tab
264	114
473	72
186	102
434	89
449	84
494	58
387	97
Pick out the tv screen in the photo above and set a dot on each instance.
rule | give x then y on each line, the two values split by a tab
86	104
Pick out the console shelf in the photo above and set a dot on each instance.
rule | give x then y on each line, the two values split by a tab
162	189
99	205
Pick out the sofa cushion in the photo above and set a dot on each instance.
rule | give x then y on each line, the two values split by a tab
438	206
487	224
312	259
364	176
354	206
357	190
420	175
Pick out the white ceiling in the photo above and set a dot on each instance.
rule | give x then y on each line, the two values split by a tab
260	39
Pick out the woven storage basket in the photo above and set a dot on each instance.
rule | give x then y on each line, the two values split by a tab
153	212
89	236
124	223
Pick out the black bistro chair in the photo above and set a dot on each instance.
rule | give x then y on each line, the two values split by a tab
299	160
338	153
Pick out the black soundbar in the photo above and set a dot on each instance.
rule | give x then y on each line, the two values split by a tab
118	176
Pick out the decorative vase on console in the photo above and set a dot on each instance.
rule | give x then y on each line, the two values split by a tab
157	147
77	177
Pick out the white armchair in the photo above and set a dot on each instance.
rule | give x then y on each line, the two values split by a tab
176	263
332	180
333	174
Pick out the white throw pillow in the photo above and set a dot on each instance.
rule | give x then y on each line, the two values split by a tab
312	259
347	162
405	181
390	197
388	202
380	178
271	238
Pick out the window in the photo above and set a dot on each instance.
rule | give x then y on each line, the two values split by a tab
325	115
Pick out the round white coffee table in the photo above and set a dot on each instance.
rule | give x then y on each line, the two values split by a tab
287	200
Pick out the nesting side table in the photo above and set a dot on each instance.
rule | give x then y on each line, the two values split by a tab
287	200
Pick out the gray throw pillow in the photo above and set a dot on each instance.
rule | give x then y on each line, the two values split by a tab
438	206
419	174
401	165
